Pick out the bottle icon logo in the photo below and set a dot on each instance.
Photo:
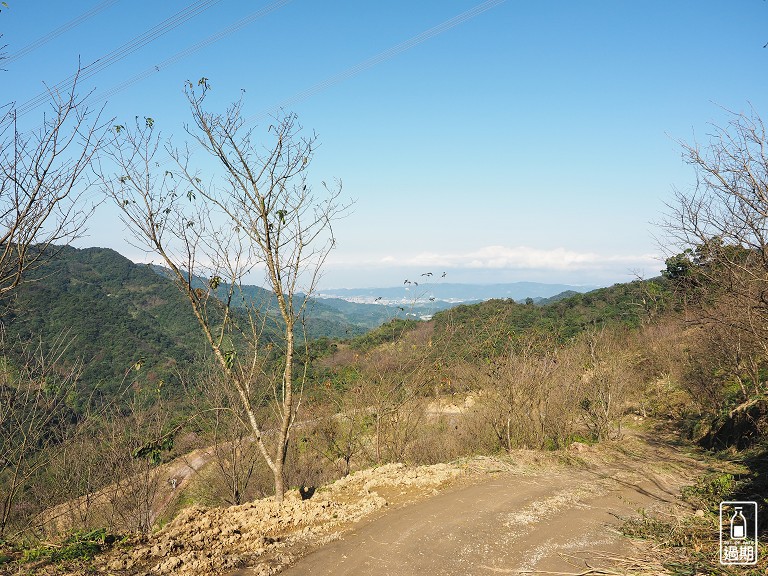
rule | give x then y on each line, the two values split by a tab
738	525
738	533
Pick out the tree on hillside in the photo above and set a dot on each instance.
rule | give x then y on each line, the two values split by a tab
43	182
724	218
258	215
43	187
723	227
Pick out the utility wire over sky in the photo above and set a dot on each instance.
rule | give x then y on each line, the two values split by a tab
379	58
320	86
115	56
192	49
198	7
193	10
43	40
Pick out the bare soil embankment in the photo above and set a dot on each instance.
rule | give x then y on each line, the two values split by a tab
558	517
528	511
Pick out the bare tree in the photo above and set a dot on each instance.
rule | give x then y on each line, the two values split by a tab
230	442
723	226
392	386
340	430
33	418
43	183
259	216
723	220
607	378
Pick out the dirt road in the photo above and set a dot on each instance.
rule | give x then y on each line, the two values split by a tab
553	519
525	511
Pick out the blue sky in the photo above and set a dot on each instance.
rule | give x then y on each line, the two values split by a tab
535	141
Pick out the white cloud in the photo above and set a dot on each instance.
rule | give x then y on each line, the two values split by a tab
527	258
490	264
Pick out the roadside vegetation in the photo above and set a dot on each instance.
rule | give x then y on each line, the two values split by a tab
255	407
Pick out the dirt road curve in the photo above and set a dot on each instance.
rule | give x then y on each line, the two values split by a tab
550	520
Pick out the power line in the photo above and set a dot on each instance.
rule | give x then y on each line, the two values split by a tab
192	49
337	78
140	41
59	31
320	86
379	58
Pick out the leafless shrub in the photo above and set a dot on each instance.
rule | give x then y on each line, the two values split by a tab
447	437
392	382
228	436
606	382
339	431
35	385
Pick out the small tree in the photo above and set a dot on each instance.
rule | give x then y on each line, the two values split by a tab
259	217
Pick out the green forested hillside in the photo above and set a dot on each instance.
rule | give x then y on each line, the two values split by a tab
487	326
114	313
326	317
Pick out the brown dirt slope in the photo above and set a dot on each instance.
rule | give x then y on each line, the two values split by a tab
543	511
551	519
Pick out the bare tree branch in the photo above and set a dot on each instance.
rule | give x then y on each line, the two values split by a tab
723	226
43	184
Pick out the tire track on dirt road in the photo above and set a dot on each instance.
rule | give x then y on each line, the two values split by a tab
553	520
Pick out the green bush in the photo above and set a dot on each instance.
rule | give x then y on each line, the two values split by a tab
710	491
79	545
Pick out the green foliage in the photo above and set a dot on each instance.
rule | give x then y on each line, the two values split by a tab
679	266
332	318
115	312
708	492
129	323
8	552
389	332
588	440
79	545
489	327
672	534
322	347
153	450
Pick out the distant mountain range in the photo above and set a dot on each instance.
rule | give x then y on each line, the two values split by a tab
419	293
